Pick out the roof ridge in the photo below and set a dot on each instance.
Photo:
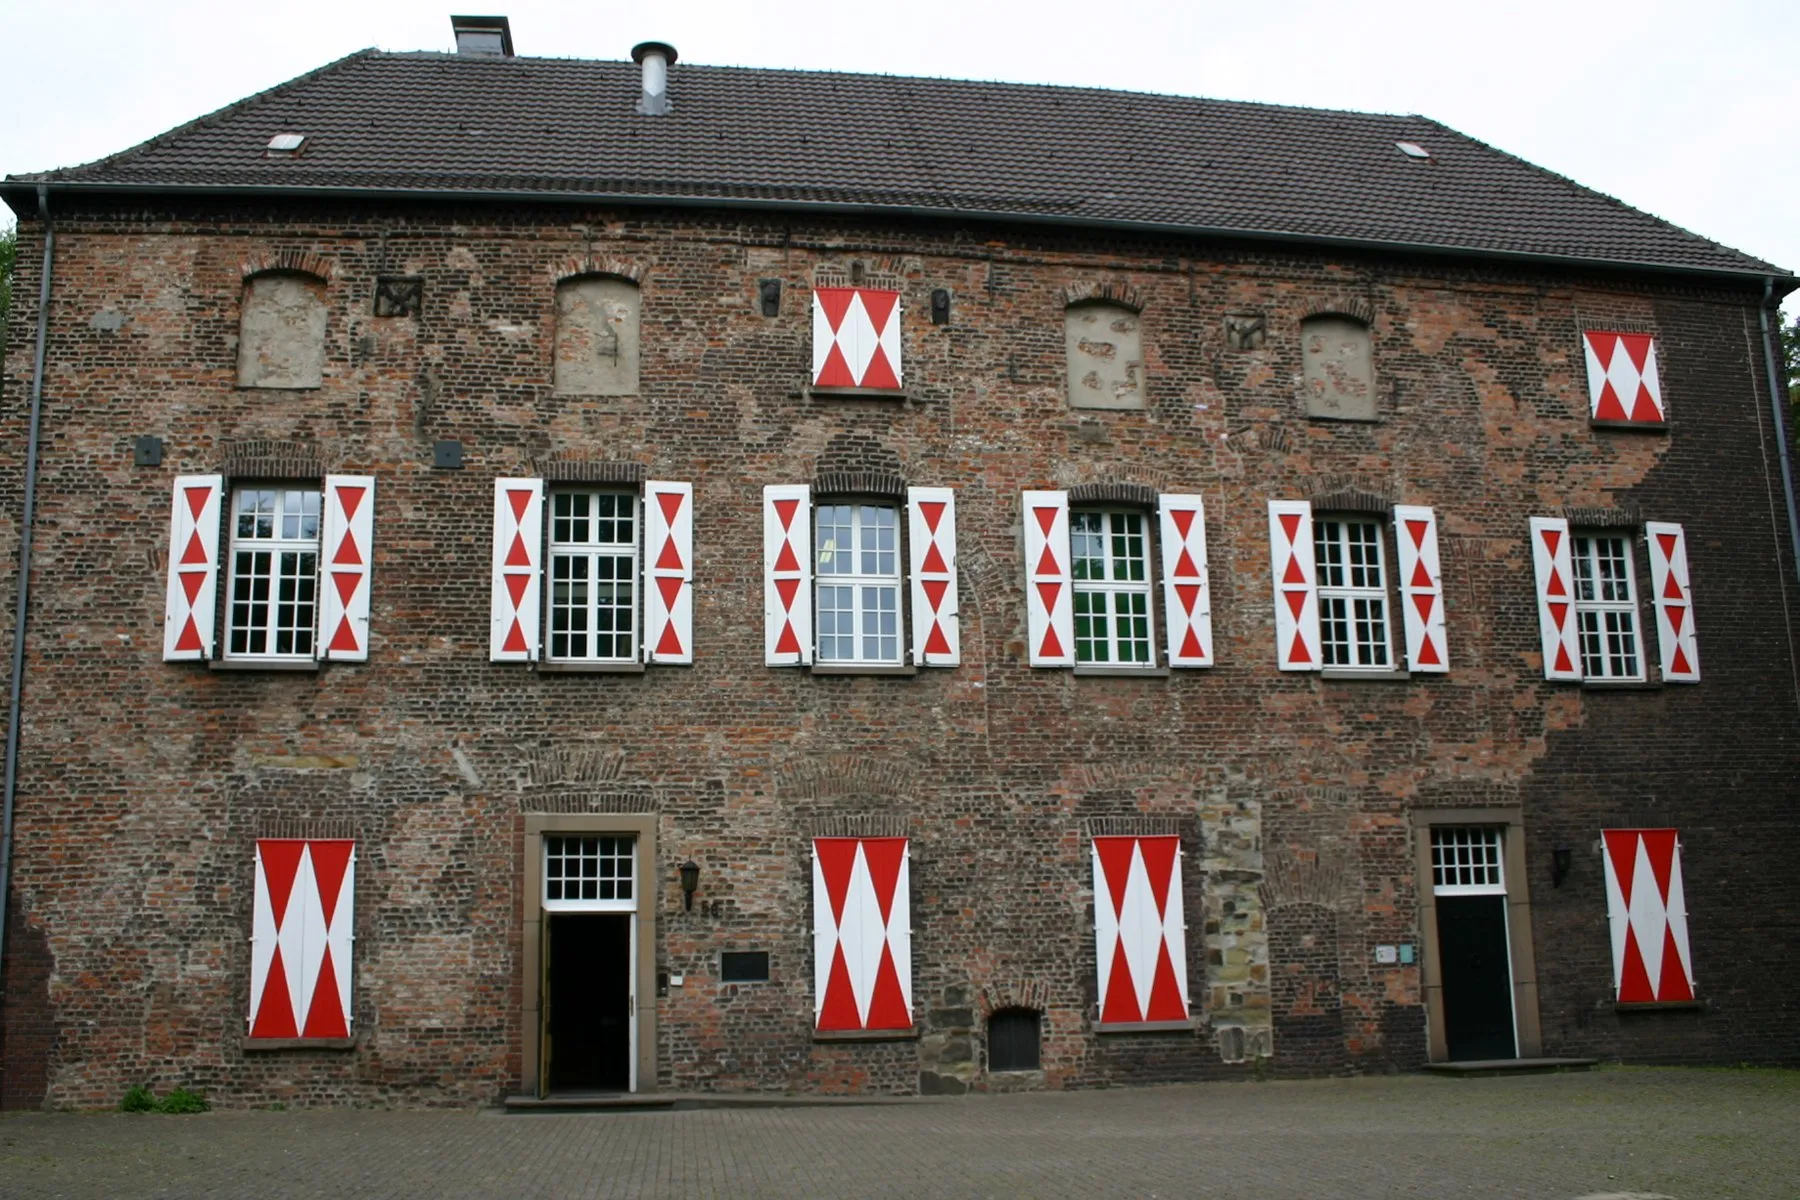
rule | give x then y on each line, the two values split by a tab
1577	186
201	122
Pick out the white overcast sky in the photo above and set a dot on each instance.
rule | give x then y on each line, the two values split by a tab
1689	110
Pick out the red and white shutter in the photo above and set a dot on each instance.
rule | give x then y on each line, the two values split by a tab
856	338
1296	585
303	918
518	569
349	553
1550	558
787	575
1421	588
668	572
1674	602
862	934
931	541
192	598
1647	910
1139	932
1622	377
1049	586
1187	598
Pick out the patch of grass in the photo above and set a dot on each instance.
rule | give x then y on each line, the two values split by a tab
183	1101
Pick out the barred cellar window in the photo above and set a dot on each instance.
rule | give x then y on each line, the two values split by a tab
1015	1038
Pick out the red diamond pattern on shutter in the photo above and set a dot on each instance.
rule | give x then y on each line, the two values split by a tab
931	546
1140	934
303	917
1551	561
1421	588
1296	592
1187	596
1049	598
856	338
1622	377
191	599
787	575
349	550
1669	588
862	934
518	570
1647	911
669	571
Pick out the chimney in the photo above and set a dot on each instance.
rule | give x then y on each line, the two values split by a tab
656	58
488	37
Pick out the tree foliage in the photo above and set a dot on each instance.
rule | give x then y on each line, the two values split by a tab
9	249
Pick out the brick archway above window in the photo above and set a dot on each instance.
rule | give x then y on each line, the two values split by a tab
1627	517
582	470
264	459
1138	495
577	266
301	262
1001	994
1105	291
1354	307
860	483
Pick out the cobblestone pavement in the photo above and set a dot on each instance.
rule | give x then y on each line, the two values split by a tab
1689	1134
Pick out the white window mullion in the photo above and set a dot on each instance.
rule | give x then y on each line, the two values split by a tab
272	600
1606	608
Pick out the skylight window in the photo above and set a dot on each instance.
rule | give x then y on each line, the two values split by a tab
1413	150
286	143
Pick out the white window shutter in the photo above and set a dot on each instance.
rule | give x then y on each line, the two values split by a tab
1049	584
1551	561
856	338
1421	589
193	593
787	575
1187	597
668	572
1140	930
1296	585
518	570
347	555
1670	588
302	935
862	934
931	545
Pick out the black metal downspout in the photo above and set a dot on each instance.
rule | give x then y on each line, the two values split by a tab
1777	406
18	650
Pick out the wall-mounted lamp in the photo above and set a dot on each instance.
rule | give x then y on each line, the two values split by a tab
1559	865
690	883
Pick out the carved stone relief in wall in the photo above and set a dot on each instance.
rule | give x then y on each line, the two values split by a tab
1338	369
1106	356
597	337
281	341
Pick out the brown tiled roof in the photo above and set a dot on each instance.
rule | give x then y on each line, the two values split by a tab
408	123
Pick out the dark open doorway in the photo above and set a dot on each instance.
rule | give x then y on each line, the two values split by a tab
587	1001
1478	1001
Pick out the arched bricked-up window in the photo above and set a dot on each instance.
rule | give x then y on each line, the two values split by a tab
1106	355
281	335
1015	1040
597	336
1338	368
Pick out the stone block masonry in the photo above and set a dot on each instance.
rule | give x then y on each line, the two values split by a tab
144	784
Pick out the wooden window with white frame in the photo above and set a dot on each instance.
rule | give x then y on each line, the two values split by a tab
593	575
273	590
1109	553
1354	611
1606	611
856	581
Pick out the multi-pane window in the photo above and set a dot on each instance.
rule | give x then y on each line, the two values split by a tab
593	576
589	871
857	572
1110	558
274	572
1353	600
1465	858
1606	608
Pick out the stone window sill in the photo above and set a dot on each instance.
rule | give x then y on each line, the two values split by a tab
1093	672
808	392
866	1035
260	664
1187	1026
1334	419
1660	1006
1619	685
899	669
1353	674
264	1045
1634	426
587	668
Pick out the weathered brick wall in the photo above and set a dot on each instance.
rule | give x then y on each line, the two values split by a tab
144	783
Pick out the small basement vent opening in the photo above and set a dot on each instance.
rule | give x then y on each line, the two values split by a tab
1015	1040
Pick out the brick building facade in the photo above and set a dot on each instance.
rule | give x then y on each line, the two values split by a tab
990	833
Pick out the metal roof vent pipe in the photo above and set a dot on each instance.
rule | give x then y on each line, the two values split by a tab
656	58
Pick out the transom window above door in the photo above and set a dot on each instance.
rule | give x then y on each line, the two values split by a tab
1465	860
590	873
